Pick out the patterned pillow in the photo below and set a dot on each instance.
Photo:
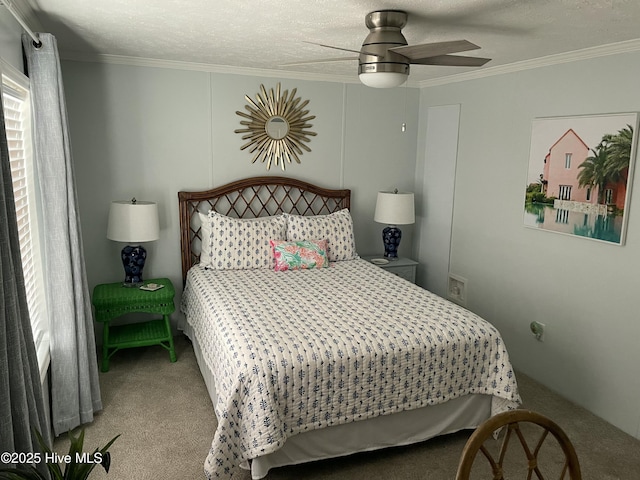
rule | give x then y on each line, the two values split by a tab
303	254
336	227
239	244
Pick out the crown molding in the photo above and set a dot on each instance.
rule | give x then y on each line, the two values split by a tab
568	57
560	58
204	67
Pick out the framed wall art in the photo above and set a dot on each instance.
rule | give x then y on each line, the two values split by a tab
580	175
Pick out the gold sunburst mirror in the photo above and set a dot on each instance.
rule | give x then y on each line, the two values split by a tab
276	127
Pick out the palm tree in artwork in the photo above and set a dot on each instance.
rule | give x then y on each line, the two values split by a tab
619	146
609	162
593	171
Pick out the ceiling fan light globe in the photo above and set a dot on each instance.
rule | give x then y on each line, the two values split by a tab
383	79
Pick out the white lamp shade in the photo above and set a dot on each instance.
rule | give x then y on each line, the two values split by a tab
133	221
395	208
383	79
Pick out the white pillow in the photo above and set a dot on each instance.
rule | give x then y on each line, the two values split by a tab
239	244
205	235
336	227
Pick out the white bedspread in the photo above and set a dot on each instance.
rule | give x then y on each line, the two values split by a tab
300	350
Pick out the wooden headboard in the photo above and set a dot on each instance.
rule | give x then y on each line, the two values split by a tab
251	198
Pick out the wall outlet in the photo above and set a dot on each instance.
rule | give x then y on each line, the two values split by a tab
457	289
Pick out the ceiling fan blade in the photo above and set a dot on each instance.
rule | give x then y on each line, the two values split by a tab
452	61
321	60
426	50
350	50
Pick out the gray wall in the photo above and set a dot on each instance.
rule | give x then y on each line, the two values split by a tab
584	291
149	132
10	43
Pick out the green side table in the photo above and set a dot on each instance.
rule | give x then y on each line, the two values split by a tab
112	300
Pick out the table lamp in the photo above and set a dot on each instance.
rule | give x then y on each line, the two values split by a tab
394	208
133	222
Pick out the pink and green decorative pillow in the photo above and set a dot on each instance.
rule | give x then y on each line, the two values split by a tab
299	255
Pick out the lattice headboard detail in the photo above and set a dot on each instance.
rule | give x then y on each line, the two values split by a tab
251	198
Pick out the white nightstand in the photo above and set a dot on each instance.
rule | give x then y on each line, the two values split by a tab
402	267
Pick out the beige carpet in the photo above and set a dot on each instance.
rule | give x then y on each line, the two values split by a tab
166	422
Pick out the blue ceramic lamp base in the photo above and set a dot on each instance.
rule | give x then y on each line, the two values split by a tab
391	237
133	258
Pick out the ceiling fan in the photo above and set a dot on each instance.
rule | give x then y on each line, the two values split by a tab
385	56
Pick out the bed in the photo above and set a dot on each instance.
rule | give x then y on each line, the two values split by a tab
310	352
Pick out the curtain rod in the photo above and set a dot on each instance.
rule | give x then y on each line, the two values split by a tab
12	10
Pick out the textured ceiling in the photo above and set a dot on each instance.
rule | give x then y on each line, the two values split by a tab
265	34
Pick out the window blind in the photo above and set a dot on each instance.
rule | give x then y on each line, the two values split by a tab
17	115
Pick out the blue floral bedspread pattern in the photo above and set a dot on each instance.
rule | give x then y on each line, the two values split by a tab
305	349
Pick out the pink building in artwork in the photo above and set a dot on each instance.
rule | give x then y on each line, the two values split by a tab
561	169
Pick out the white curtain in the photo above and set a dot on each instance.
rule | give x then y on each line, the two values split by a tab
75	391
